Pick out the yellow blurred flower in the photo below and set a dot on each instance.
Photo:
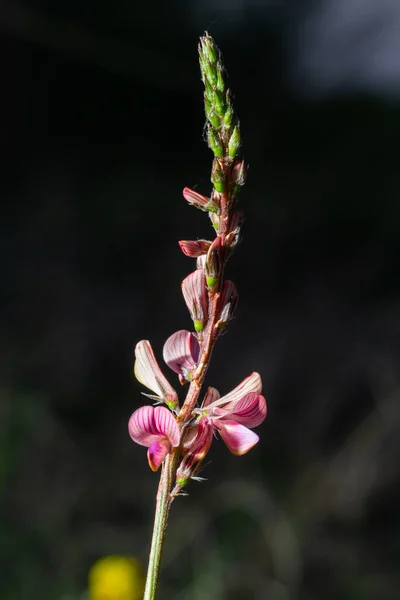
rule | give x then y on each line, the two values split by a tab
116	578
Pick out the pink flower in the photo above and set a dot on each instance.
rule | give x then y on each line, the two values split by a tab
156	428
181	353
235	413
148	373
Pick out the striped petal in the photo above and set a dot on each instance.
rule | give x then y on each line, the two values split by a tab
156	453
250	410
194	248
195	294
181	353
148	372
150	424
211	395
237	437
252	384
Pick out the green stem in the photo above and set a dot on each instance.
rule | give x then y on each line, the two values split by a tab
163	503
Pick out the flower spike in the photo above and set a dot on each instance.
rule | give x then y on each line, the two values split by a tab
148	372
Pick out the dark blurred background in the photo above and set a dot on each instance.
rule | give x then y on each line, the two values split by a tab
102	124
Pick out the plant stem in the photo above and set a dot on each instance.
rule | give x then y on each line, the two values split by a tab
163	503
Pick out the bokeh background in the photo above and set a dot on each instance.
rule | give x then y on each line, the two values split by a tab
102	127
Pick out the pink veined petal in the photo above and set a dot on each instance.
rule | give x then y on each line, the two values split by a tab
194	248
150	424
166	423
148	372
195	294
250	410
157	452
237	437
211	395
181	353
252	383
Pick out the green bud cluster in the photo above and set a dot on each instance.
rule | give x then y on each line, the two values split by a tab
223	132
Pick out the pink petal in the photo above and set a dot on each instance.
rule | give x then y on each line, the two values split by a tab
198	200
250	410
250	384
211	396
196	298
148	373
194	248
237	437
157	452
151	424
181	353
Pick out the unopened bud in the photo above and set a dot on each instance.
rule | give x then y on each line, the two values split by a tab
197	446
213	263
214	220
199	201
226	304
220	78
235	229
215	143
239	172
194	248
196	298
211	113
234	142
218	176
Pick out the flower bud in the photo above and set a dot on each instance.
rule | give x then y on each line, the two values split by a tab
234	142
196	298
220	78
218	176
213	263
226	304
214	143
198	200
194	248
197	450
211	113
214	220
235	229
239	172
228	116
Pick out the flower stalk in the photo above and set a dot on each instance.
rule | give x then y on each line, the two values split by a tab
179	437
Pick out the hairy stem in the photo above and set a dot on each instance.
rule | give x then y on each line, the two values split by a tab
163	503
